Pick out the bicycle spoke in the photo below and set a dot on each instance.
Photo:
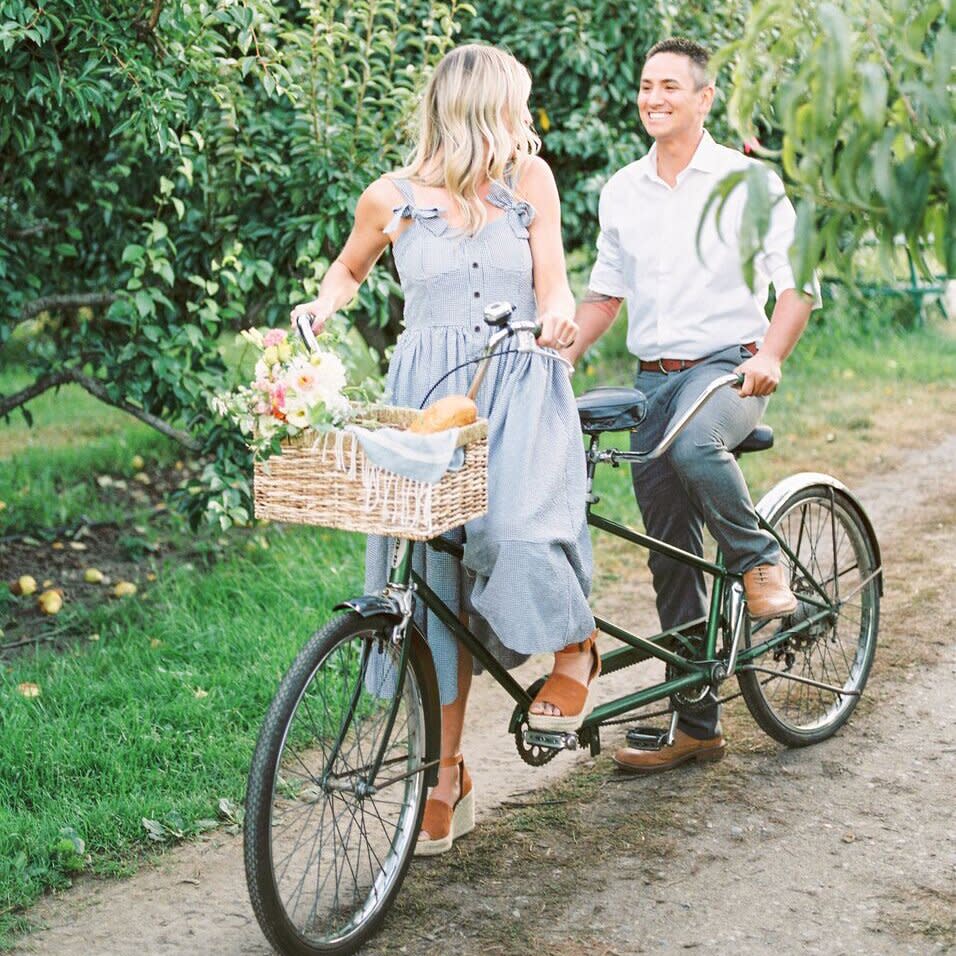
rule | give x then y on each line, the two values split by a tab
829	644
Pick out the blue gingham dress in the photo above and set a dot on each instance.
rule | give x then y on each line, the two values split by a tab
526	573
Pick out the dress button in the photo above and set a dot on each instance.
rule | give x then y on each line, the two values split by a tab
474	265
477	328
477	295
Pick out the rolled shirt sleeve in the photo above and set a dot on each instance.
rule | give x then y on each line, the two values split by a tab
774	260
608	277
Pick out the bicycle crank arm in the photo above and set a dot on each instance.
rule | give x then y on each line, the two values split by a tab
552	741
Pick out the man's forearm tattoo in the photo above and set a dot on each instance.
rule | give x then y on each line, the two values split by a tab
607	304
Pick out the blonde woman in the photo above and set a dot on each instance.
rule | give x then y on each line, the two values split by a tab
474	219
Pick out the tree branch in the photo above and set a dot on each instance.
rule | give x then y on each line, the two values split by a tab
72	300
35	230
154	16
97	390
9	402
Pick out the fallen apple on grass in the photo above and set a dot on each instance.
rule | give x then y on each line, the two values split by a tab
51	601
25	584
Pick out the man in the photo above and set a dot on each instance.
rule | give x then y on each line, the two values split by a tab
691	319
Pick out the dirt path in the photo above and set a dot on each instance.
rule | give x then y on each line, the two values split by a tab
846	847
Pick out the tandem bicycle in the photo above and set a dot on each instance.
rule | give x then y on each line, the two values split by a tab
350	744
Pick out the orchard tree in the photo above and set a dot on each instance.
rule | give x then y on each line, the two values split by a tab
172	171
857	101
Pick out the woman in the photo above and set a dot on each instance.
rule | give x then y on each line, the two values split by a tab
474	219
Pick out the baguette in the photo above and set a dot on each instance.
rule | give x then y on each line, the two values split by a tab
452	411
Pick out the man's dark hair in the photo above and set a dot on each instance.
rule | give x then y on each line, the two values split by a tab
698	56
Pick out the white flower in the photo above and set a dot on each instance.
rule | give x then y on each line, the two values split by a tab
297	415
302	379
330	377
267	426
254	336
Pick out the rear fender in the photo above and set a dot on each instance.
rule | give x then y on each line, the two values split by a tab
805	479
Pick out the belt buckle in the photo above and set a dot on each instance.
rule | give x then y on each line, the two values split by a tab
660	365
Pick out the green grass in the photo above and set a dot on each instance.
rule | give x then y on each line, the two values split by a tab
157	718
47	471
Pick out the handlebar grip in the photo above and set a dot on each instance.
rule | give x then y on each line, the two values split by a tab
536	331
303	325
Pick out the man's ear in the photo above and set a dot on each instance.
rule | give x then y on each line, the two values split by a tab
707	98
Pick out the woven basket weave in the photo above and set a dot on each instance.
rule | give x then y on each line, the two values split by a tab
327	480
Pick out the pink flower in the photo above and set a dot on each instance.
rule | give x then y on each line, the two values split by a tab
273	337
278	400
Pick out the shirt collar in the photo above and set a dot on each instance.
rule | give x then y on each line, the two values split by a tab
705	159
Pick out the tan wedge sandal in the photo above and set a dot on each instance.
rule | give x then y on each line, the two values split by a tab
571	697
442	824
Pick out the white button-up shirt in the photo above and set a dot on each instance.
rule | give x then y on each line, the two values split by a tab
681	302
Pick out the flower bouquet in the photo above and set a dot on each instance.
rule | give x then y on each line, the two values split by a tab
293	391
310	466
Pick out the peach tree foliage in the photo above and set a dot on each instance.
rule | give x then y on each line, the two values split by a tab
857	102
170	172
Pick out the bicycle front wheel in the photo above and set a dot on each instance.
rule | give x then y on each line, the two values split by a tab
326	845
809	684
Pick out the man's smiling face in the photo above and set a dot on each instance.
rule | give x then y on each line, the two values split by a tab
672	102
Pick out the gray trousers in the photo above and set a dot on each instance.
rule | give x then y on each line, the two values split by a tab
697	482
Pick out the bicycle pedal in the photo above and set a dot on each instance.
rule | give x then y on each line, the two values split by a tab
647	738
550	740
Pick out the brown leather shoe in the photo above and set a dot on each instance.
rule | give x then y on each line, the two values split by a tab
767	592
683	749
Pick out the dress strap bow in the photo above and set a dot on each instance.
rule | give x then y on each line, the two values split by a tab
520	213
429	217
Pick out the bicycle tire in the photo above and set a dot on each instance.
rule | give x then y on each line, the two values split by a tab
826	529
301	815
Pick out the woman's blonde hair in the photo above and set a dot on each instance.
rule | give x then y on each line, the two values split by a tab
471	126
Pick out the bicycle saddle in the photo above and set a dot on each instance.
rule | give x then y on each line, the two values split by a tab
611	409
759	439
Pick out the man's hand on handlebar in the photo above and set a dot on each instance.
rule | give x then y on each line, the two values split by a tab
761	375
557	331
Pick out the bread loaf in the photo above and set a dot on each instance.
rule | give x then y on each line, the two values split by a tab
452	411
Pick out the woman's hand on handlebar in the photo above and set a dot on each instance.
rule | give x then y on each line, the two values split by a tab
318	312
557	331
761	375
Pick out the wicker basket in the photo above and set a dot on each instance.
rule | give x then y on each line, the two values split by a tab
328	481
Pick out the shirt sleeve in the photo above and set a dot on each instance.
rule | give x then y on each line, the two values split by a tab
607	276
774	260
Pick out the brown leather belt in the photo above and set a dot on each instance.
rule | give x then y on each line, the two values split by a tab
668	365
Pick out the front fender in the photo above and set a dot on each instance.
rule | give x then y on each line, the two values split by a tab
370	605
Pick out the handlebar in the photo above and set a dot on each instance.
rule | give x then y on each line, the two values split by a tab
303	325
499	314
731	378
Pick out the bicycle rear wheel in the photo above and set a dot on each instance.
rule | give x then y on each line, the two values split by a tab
326	847
826	531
